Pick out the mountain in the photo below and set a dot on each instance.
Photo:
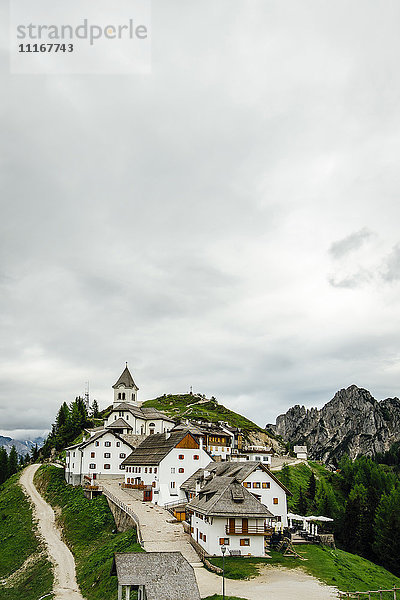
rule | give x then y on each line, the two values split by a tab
22	447
352	423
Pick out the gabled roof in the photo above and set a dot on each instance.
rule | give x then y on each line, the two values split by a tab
118	424
224	496
142	412
96	437
239	471
155	447
126	379
165	575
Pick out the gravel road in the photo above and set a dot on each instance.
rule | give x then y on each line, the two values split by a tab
65	586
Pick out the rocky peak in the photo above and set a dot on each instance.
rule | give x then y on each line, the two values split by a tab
353	422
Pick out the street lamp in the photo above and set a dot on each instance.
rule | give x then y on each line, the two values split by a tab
223	550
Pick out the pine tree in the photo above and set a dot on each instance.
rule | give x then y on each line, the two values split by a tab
311	488
387	530
301	506
95	410
285	475
3	465
12	462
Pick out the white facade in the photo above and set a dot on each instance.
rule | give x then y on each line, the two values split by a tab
139	424
211	534
301	452
253	456
269	492
167	477
99	457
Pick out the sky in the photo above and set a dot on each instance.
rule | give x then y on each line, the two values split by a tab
228	221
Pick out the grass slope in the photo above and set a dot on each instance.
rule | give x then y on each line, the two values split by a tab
87	526
186	405
346	571
18	543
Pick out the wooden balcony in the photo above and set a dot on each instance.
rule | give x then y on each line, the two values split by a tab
249	530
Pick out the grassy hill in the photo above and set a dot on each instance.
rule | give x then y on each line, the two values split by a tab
24	566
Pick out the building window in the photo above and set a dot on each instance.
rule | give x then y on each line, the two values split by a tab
201	535
172	484
97	443
155	469
266	485
265	458
150	470
181	456
151	432
123	395
120	414
118	444
258	458
181	470
247	484
122	455
92	466
204	537
127	417
224	541
107	444
275	500
92	454
107	455
122	467
196	457
107	466
172	469
256	484
245	542
152	424
145	469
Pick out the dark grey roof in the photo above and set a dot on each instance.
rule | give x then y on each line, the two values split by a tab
98	436
190	483
118	424
142	412
126	379
240	471
224	496
165	575
154	448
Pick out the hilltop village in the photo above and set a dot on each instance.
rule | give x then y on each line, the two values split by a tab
203	472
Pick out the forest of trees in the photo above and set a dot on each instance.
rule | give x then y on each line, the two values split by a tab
10	463
70	421
363	498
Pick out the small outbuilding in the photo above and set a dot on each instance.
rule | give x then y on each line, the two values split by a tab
301	452
156	576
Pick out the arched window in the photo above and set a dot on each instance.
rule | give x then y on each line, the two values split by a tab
123	395
119	396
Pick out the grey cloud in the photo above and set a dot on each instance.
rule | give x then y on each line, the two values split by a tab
350	243
391	269
176	221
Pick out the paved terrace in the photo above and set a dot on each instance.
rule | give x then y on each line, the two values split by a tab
159	533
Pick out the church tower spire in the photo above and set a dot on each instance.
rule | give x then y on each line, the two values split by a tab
125	389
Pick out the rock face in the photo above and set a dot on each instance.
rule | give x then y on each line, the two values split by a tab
352	423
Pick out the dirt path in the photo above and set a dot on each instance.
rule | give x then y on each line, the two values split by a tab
65	586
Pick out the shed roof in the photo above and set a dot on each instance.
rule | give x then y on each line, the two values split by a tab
155	447
165	575
224	496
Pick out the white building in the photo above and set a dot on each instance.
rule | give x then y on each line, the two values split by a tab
128	419
224	513
254	476
100	456
253	454
164	461
301	452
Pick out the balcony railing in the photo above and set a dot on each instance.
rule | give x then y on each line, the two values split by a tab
247	530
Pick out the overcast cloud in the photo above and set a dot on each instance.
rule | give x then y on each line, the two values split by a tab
228	222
